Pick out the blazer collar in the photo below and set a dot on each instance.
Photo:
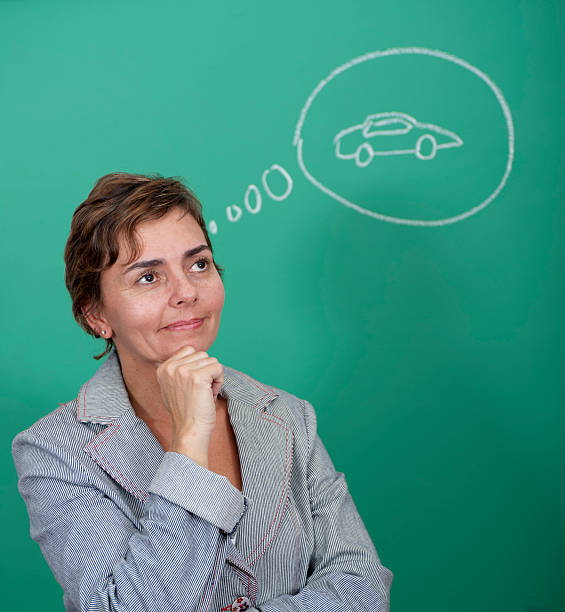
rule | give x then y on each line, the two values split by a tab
104	398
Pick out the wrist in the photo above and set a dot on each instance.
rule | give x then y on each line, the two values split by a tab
194	444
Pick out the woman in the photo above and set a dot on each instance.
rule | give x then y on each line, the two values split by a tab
172	482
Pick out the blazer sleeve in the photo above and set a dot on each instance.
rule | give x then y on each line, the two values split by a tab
345	571
169	561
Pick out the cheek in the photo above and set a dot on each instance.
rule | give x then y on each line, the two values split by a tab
219	297
131	315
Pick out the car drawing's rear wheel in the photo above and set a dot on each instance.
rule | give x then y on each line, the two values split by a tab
364	155
426	147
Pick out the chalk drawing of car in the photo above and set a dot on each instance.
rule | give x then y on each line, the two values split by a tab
392	134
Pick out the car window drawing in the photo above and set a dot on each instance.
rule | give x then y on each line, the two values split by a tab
392	133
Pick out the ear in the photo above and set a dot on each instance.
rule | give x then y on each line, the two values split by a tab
96	320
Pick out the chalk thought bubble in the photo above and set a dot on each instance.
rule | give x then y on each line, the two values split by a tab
412	136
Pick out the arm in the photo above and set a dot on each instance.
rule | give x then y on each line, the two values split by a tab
105	556
169	561
345	572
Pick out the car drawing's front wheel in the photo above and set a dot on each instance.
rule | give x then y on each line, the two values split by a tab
364	155
426	147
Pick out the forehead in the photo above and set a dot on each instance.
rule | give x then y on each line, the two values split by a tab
162	238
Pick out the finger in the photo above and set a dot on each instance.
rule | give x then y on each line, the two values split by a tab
187	364
182	357
208	372
217	387
198	364
180	354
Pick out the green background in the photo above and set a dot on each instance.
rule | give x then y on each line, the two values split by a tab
433	355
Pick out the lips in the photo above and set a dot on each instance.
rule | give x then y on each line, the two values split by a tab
184	325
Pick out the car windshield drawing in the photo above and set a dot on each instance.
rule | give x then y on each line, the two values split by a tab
392	134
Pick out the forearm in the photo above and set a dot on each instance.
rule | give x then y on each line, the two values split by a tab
345	572
170	563
333	592
168	558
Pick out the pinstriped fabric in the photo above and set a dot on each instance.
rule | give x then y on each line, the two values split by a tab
125	526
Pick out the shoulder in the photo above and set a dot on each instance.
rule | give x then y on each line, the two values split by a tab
236	380
53	422
291	409
59	432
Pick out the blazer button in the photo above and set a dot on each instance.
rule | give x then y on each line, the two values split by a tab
239	605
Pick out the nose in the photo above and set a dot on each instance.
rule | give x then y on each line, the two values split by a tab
183	291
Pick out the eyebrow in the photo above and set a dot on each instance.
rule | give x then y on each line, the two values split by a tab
151	263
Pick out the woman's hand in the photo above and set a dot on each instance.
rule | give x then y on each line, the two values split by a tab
190	382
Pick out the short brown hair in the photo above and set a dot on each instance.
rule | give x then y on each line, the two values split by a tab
116	205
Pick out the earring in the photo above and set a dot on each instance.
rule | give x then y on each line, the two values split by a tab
103	332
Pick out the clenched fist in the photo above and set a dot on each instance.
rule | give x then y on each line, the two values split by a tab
190	382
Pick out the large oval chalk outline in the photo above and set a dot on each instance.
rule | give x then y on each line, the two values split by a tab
408	51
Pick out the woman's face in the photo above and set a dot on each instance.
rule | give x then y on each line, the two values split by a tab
170	297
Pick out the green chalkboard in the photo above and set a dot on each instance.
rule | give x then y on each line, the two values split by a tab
384	184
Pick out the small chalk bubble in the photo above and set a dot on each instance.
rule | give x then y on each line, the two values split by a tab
233	213
287	178
255	208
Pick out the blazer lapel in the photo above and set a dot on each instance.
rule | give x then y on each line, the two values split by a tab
265	443
129	452
127	449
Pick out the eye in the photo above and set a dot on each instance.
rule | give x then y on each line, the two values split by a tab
147	279
201	265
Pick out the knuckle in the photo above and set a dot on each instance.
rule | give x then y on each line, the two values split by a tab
169	368
184	369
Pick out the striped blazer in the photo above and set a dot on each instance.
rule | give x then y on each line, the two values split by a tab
125	526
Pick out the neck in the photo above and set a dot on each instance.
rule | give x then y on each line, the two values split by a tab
144	392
